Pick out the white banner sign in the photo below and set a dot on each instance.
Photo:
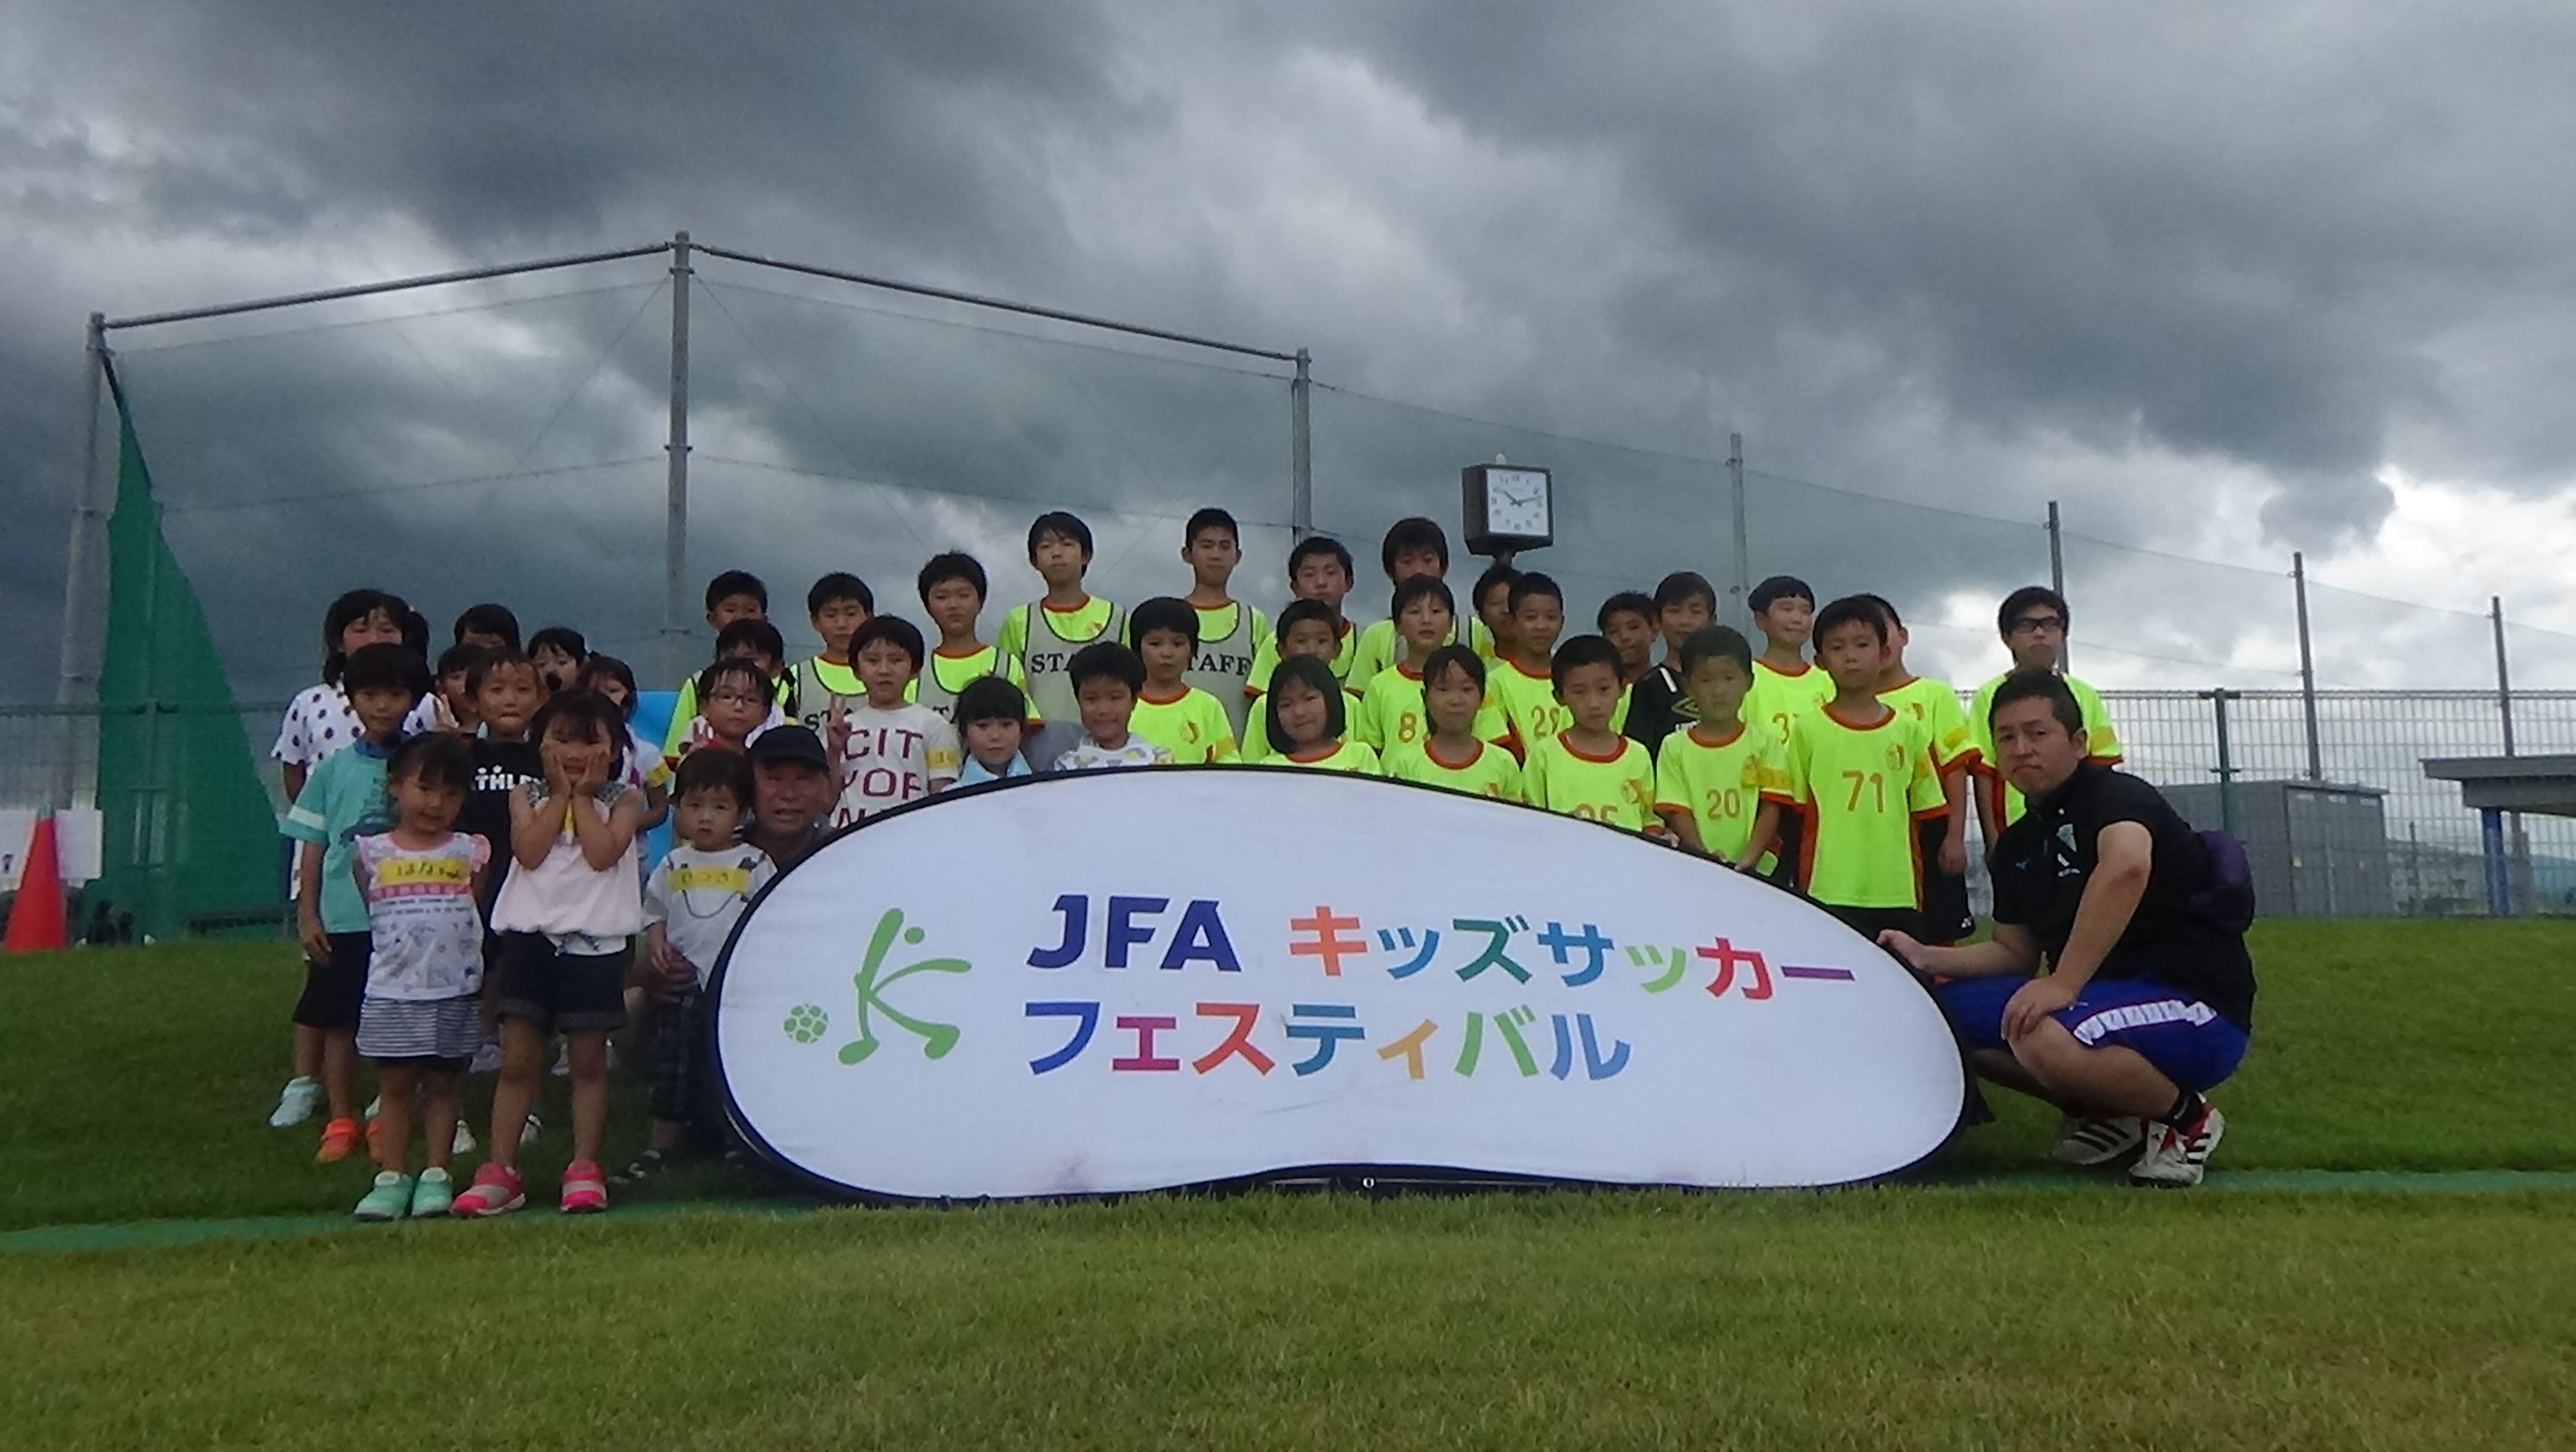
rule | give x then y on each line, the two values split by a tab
76	835
1136	980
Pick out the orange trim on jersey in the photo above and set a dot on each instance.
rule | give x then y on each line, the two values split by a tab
1928	813
1336	750
944	653
1566	740
1183	695
1068	609
1528	675
1828	709
1728	740
1900	685
1434	756
1803	668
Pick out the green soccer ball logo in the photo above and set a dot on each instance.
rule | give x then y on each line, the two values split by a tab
806	1022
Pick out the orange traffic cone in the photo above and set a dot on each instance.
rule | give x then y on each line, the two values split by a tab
36	919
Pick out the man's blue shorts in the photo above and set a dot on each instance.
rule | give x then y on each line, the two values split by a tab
2183	1037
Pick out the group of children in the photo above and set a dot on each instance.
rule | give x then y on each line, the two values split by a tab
470	872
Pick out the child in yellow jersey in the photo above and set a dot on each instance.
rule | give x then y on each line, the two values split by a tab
1230	633
837	606
1720	784
1785	687
1307	720
1319	575
952	590
1861	775
1412	547
1450	756
1947	917
1043	637
1589	770
1170	712
1523	682
1390	714
1308	628
2033	622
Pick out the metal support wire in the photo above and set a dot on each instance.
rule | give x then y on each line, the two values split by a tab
675	516
1301	450
371	289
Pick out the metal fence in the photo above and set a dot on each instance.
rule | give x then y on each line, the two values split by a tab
2400	844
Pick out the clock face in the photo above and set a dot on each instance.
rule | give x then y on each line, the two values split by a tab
1516	503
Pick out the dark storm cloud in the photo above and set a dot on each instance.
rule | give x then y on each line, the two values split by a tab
1970	256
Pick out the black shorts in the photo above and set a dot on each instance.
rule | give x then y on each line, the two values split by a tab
1946	915
556	991
334	986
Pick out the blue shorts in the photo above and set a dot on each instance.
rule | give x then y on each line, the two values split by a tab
2183	1037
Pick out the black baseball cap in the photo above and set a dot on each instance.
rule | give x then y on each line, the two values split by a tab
796	744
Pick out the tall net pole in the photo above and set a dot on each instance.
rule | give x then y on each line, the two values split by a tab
675	516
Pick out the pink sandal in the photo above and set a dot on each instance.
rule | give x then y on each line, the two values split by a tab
585	1190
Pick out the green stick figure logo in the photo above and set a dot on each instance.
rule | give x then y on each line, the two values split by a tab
807	1023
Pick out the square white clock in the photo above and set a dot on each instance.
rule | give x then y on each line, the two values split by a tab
1507	508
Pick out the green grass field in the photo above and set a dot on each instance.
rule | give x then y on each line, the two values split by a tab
2029	1309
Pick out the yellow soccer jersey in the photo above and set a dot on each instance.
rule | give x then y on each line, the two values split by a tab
954	673
1350	756
2101	743
1265	659
1618	789
1380	648
1861	789
1777	698
1191	725
1936	705
1391	714
1531	711
1721	784
1491	772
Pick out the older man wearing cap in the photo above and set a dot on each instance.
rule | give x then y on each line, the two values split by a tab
791	793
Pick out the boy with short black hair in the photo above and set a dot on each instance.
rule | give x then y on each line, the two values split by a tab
1306	628
506	696
1720	786
1947	917
692	899
1106	678
1659	703
952	588
886	750
1319	570
992	718
489	626
1449	755
1391	709
1044	636
1785	686
1589	770
1627	621
345	799
734	597
1861	775
1230	633
836	606
1414	546
2033	622
1523	682
1170	712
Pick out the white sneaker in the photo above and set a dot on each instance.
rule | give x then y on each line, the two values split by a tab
375	1107
463	1144
2176	1156
487	1059
295	1103
2088	1141
563	1062
528	1131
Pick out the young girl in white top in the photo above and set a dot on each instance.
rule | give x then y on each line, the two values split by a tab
565	924
422	1017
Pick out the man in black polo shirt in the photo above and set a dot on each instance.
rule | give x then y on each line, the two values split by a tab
2147	1001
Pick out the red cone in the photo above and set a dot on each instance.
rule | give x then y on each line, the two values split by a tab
36	919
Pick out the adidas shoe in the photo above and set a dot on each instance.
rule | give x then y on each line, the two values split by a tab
2090	1141
2177	1154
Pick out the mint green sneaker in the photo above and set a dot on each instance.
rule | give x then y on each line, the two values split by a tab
432	1195
388	1200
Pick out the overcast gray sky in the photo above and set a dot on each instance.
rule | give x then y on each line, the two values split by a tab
2225	280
